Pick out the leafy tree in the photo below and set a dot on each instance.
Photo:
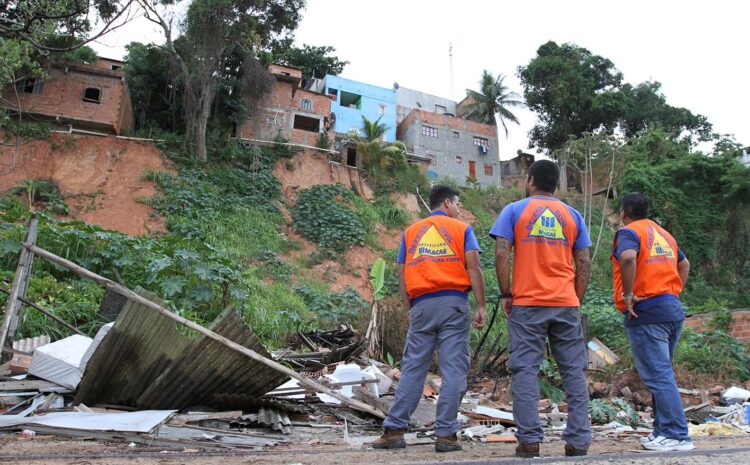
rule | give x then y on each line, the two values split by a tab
213	33
493	98
645	106
572	91
156	97
374	151
314	61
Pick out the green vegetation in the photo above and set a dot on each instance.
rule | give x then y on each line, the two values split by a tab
327	215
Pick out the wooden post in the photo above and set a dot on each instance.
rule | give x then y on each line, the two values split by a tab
13	308
314	385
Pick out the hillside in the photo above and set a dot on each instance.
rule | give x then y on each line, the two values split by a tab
286	237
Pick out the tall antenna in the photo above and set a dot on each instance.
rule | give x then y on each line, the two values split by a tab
450	58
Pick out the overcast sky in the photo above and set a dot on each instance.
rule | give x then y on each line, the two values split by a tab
699	51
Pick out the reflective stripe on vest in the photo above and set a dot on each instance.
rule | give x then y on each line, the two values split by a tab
435	256
656	265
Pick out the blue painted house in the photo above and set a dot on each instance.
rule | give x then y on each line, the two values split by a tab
350	100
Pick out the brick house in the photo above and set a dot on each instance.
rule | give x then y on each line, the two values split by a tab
93	97
291	111
516	170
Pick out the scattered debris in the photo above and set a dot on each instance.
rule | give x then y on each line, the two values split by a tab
713	428
735	394
600	355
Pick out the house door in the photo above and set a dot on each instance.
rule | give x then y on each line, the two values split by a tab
472	169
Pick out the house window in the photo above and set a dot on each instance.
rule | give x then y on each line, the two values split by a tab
93	95
33	86
488	169
305	123
382	109
350	100
305	104
481	141
459	159
440	109
270	121
334	93
115	67
429	131
456	134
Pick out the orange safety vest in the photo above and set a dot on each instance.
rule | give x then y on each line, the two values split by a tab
656	265
543	271
435	256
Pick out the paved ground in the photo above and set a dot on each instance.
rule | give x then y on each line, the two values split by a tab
57	451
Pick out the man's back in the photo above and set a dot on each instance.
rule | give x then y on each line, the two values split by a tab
544	232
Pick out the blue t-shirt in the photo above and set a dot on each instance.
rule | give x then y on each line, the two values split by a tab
470	243
658	309
505	224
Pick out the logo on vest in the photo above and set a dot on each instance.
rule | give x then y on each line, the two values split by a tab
548	226
433	244
659	246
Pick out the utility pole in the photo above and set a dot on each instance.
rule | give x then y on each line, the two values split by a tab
450	59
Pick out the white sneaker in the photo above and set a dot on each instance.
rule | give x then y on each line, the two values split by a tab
666	444
649	438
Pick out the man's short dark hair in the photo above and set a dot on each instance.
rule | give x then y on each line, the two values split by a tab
635	205
546	175
439	194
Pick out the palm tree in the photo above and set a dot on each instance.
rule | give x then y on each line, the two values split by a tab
493	98
372	148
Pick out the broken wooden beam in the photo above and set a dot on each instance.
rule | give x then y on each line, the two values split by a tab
45	312
79	270
13	307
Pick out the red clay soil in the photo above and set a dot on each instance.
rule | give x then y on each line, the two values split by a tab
99	177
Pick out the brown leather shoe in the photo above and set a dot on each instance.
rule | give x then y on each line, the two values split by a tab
391	439
447	444
527	450
572	451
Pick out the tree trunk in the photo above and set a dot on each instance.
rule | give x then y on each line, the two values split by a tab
564	170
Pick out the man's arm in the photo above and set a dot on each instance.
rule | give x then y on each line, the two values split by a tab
476	278
627	262
683	268
502	269
583	272
402	286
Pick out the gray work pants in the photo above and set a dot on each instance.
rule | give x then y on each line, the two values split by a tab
528	329
442	322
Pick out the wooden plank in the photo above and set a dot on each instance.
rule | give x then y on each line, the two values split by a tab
193	417
26	385
13	308
355	404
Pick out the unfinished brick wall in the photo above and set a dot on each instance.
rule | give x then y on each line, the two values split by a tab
739	325
278	111
61	97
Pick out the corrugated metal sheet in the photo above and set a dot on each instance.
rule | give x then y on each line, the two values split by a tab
147	363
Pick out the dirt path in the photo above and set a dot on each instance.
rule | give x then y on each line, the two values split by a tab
58	451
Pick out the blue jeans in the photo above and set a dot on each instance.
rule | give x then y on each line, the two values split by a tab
653	347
